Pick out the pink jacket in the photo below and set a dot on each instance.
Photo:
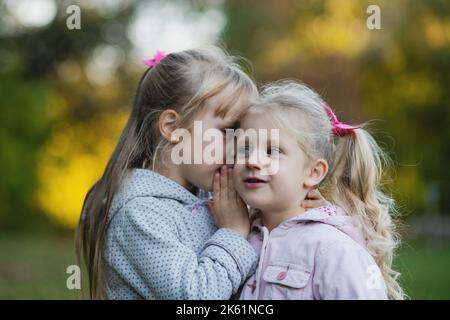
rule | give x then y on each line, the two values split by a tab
319	254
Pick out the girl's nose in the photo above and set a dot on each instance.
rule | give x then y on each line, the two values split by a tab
253	166
257	160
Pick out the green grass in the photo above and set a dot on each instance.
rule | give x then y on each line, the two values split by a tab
425	269
34	267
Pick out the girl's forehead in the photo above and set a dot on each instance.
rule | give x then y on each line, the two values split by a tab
209	115
230	114
231	103
259	119
263	119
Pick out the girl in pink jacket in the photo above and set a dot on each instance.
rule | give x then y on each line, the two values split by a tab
343	250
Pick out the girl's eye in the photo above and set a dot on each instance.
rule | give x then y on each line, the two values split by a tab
224	131
244	151
273	151
228	128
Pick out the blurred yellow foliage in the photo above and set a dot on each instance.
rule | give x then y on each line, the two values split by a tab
341	30
437	32
69	165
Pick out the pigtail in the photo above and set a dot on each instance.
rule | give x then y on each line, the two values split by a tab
356	168
355	184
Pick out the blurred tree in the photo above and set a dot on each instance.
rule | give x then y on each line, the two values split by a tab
66	93
56	132
398	74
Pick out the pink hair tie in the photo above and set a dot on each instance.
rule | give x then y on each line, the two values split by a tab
339	129
159	55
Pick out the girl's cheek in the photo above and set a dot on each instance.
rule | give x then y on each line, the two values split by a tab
272	169
229	152
237	173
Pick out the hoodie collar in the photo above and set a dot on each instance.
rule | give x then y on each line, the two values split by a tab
332	215
319	214
148	183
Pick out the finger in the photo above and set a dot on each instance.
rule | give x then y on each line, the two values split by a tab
216	187
313	194
240	201
309	204
223	183
231	191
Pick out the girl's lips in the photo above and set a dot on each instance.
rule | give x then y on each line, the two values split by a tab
254	183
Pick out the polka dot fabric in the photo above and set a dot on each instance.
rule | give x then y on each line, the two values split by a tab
162	244
329	209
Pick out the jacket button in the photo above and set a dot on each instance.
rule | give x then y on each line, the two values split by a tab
281	275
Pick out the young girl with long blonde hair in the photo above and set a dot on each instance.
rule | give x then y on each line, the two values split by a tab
144	233
343	250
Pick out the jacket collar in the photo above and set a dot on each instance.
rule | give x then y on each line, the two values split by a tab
332	215
148	183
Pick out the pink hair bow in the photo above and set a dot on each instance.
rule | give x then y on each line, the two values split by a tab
339	129
159	55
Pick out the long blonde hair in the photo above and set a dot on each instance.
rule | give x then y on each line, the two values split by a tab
356	168
182	81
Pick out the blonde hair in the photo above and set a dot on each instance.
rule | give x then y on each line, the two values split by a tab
182	81
356	167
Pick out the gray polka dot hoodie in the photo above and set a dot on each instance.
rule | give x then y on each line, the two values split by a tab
161	243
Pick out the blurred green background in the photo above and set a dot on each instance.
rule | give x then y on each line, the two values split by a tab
65	95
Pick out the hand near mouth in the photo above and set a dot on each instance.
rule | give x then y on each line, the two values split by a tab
228	209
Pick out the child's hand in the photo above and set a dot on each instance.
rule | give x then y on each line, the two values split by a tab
228	209
314	200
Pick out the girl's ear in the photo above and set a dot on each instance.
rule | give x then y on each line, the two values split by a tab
168	121
316	173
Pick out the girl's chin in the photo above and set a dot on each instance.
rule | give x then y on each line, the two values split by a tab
255	203
260	202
